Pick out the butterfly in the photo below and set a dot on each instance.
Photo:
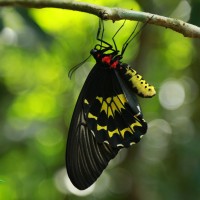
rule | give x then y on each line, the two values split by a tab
107	115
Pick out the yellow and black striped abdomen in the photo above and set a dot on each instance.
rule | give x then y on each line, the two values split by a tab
140	86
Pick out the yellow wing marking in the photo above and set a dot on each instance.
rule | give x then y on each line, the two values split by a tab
91	116
111	133
104	107
99	127
130	129
113	108
135	124
86	101
112	104
108	100
100	99
123	131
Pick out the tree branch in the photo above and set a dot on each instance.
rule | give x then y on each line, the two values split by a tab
188	30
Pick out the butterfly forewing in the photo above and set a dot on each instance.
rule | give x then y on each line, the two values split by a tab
85	157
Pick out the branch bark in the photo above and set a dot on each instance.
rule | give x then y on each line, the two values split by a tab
188	30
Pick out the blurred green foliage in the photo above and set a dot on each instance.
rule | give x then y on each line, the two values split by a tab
38	48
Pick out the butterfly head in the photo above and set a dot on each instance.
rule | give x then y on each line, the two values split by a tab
106	55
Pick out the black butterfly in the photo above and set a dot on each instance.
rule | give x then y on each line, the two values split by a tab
107	116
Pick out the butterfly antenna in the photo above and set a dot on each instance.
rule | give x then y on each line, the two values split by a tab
130	38
73	69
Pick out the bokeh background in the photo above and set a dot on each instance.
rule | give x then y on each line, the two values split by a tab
37	49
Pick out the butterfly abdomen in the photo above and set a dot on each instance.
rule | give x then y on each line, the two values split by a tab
140	86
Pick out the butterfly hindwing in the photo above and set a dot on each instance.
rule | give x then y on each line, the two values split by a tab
110	116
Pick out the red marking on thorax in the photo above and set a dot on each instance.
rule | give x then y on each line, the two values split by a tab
107	59
114	65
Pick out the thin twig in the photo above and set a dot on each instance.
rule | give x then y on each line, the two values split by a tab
188	30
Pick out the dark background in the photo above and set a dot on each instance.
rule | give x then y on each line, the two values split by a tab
38	48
